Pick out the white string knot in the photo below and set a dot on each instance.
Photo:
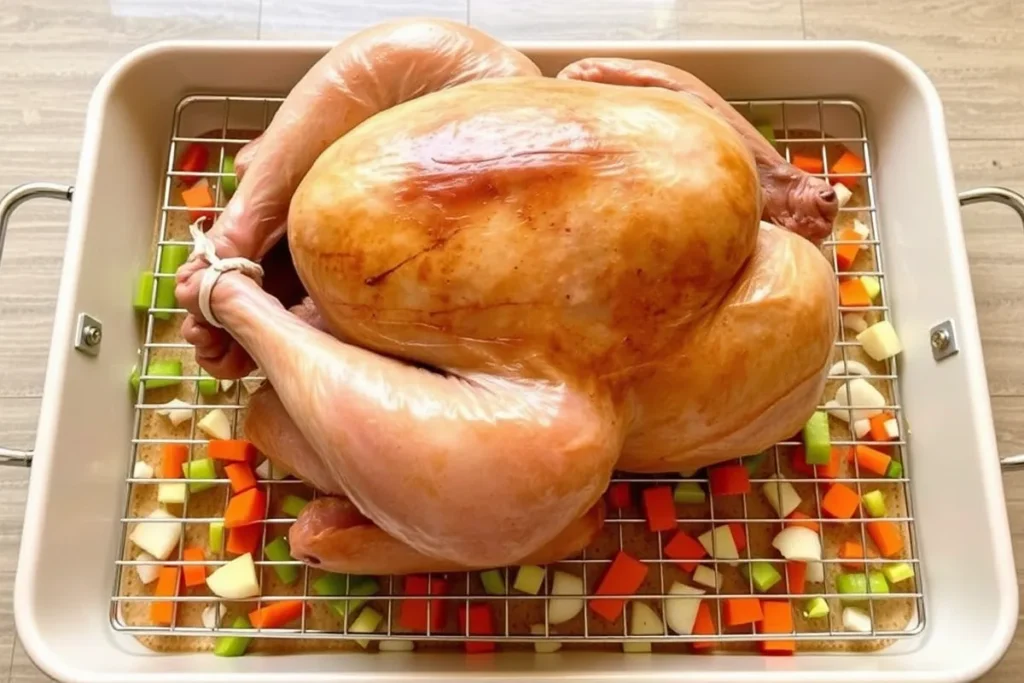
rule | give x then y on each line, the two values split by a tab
218	266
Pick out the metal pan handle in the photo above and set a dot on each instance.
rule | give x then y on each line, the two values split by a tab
1015	201
8	203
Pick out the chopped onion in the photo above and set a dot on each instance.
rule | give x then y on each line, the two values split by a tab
835	410
142	470
176	410
268	470
226	384
781	496
209	616
815	572
562	609
880	341
843	194
849	367
148	573
397	646
861	428
681	609
868	401
798	543
215	425
856	620
158	538
250	383
544	646
862	231
892	429
855	321
235	580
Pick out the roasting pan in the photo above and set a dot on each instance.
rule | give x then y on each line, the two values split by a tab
965	594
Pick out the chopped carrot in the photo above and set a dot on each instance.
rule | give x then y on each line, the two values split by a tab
796	576
234	450
703	626
197	198
871	460
195	574
778	618
807	163
840	501
247	507
847	248
624	577
878	430
797	518
887	537
852	292
659	508
728	480
619	496
831	470
798	461
685	547
852	550
244	539
847	163
174	455
276	614
481	623
412	614
241	476
161	612
740	611
739	536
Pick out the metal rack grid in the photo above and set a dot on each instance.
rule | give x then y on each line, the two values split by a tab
624	526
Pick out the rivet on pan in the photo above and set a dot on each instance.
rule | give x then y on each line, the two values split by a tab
88	335
943	340
940	339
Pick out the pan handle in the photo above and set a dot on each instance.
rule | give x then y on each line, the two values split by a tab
1015	201
8	203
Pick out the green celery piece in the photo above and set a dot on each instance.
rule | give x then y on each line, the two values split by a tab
228	183
897	573
233	646
767	131
817	444
204	468
895	470
367	621
860	583
143	291
333	584
764	575
361	587
816	608
689	493
165	373
494	584
172	257
208	386
216	540
278	551
874	503
529	579
872	285
292	505
753	462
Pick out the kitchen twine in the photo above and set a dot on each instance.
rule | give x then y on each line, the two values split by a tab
218	266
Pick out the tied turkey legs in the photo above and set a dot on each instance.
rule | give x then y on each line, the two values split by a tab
526	282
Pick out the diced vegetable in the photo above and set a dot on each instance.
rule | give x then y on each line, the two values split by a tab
798	461
801	520
226	384
368	621
781	496
796	577
158	538
624	576
143	291
208	386
338	584
884	427
719	543
872	284
529	579
643	621
244	539
852	293
855	321
847	163
245	508
172	456
840	501
866	399
215	541
176	411
293	505
831	470
199	199
215	424
808	163
544	646
360	588
815	572
241	476
172	257
619	495
704	625
874	503
142	470
728	480
854	553
193	160
493	582
195	574
569	588
741	611
477	621
204	468
861	428
400	645
816	608
277	550
897	573
887	537
277	614
233	450
778	618
233	646
213	614
229	182
843	194
268	470
861	229
161	612
412	614
847	248
161	373
685	550
798	543
659	508
850	367
895	470
856	620
148	573
764	575
880	341
767	132
855	587
689	493
871	460
235	580
753	462
681	608
817	443
739	535
708	577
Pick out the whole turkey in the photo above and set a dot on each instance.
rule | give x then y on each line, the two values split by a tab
516	284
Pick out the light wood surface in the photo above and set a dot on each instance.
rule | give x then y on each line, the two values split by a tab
52	53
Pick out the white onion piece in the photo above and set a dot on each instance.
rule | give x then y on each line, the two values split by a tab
226	384
861	428
148	573
681	609
798	543
562	609
176	410
855	321
868	401
815	572
835	410
862	231
849	367
215	425
209	615
142	470
856	620
892	429
157	537
843	194
397	646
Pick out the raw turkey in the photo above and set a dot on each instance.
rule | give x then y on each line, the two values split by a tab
516	284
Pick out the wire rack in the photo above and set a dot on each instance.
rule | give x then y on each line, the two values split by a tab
821	129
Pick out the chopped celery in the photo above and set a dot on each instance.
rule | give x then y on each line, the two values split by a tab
764	575
872	285
333	584
859	585
689	493
171	493
216	540
817	444
233	646
143	291
172	257
899	572
529	579
753	462
816	608
367	622
494	584
278	551
228	183
767	131
162	373
360	588
874	503
208	386
895	470
292	505
203	468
